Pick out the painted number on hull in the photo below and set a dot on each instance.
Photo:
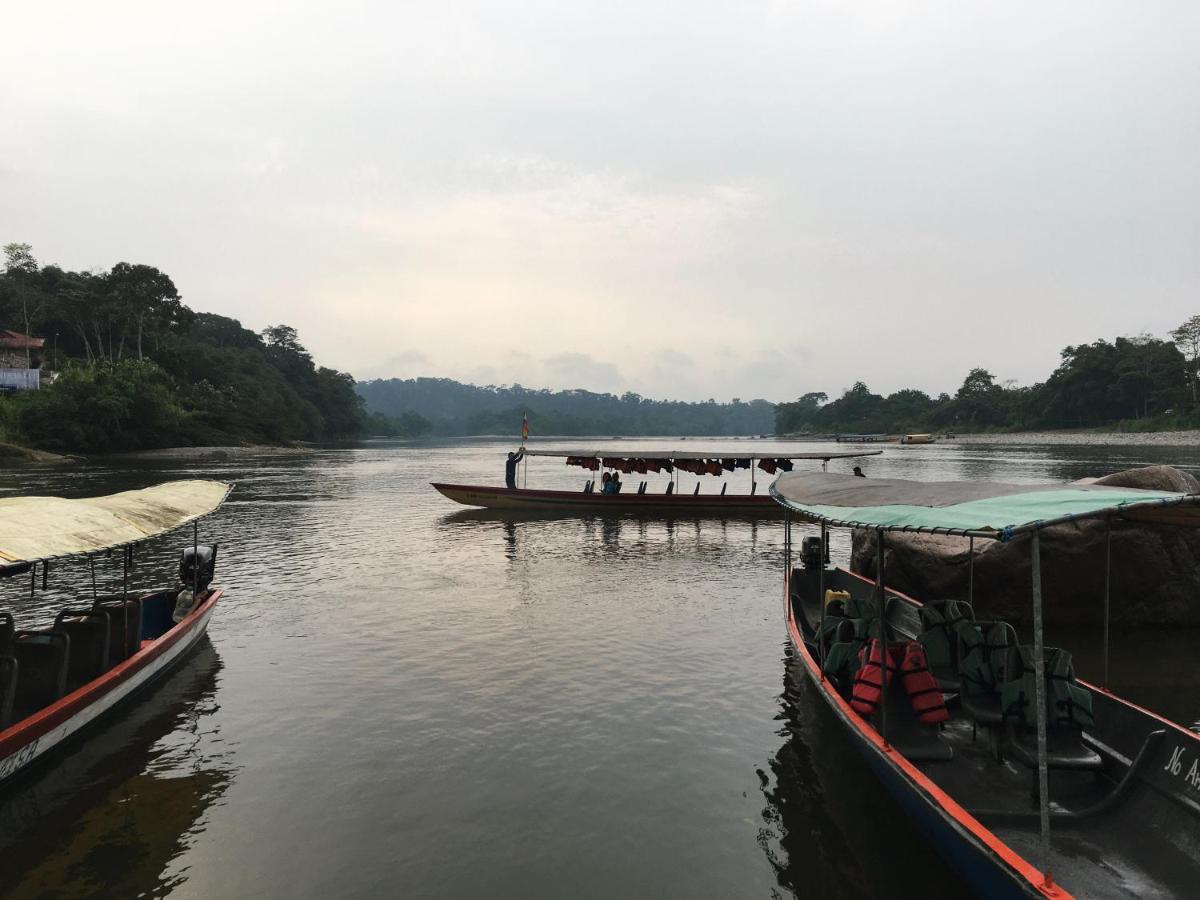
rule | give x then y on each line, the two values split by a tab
19	759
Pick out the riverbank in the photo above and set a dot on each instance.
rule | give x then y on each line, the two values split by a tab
16	453
1082	436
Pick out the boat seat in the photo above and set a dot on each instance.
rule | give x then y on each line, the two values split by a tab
6	633
981	659
89	631
124	628
1065	748
940	620
41	658
8	689
670	487
917	742
724	485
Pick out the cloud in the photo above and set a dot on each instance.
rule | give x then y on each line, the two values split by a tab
581	370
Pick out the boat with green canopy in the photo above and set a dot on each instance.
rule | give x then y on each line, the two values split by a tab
1030	781
99	653
661	481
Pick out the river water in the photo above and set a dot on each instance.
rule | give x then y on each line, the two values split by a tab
402	697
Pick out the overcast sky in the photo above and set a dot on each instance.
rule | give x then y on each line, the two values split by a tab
685	200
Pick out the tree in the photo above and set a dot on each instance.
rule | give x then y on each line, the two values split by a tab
285	337
1187	338
143	296
21	270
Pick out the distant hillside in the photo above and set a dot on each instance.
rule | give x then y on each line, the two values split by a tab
453	408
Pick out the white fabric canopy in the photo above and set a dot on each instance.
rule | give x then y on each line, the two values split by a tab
34	528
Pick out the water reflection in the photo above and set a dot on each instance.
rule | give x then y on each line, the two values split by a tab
110	812
829	829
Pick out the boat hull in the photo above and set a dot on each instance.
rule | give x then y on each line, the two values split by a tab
991	867
33	738
577	501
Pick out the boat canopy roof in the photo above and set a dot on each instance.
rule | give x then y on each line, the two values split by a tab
33	529
633	452
971	508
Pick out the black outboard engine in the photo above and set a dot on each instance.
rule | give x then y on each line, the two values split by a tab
811	553
199	563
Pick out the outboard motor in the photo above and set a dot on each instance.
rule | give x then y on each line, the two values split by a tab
197	565
811	553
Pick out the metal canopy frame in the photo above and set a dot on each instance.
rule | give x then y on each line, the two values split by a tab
1034	529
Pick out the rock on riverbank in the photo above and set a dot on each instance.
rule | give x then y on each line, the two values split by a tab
1155	569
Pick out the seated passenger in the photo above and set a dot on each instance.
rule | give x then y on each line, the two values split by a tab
616	483
606	484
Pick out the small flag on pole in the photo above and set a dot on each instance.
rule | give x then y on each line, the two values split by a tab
524	428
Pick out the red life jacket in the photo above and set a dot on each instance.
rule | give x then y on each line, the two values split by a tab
868	682
915	677
921	687
767	465
713	468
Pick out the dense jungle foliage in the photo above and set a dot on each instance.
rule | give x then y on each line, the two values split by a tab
139	369
1138	383
453	408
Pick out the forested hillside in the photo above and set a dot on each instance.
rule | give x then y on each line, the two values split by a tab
452	408
1140	382
140	369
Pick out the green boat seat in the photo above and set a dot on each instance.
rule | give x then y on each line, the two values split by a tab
1065	748
1068	711
982	649
940	621
41	669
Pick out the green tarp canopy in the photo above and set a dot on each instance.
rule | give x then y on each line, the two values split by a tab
979	508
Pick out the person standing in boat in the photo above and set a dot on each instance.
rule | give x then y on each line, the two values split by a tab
510	467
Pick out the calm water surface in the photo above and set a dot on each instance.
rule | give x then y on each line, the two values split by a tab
403	697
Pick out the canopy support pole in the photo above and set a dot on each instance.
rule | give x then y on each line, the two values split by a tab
195	560
1107	591
884	658
1039	674
33	578
821	600
787	558
971	571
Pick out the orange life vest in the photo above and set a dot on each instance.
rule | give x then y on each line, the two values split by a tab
868	682
921	687
915	677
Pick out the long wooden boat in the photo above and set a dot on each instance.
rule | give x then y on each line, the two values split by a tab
641	497
565	501
55	682
1110	808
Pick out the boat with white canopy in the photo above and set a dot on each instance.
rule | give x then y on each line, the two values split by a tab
56	681
644	493
1030	781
